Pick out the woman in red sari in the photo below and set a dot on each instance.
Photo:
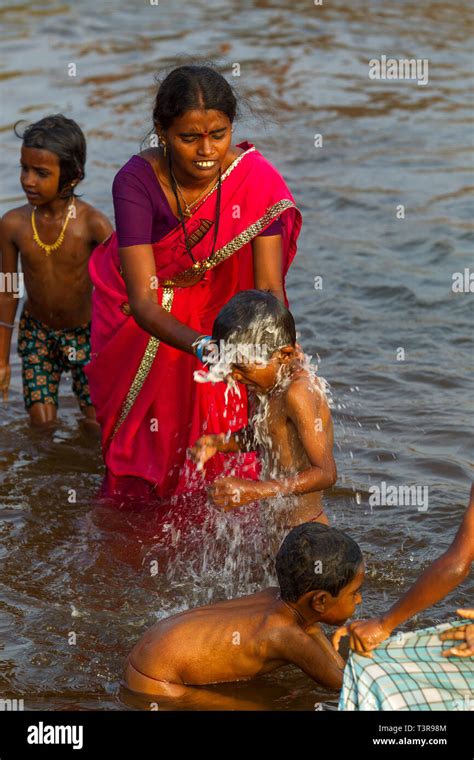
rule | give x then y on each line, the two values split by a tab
197	220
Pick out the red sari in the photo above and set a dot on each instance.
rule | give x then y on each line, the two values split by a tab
148	405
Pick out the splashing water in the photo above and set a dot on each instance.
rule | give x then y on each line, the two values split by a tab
233	553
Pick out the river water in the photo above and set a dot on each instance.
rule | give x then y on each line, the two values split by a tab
78	586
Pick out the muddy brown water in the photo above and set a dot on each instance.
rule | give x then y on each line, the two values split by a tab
81	572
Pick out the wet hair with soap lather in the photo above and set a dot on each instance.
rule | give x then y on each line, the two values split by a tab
255	318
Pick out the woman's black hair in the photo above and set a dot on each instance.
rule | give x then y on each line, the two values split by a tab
315	557
64	138
192	87
255	318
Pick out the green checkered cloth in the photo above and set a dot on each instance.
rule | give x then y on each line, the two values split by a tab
408	672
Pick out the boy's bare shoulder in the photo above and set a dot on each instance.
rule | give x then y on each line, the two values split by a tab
97	224
12	224
285	637
88	211
304	388
16	216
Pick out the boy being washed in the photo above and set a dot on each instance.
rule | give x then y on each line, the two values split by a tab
292	427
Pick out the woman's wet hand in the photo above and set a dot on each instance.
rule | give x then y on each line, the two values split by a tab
364	635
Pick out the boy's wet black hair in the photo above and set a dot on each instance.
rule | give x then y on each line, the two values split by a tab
65	138
315	557
257	318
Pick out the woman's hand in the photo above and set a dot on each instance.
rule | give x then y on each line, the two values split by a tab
464	634
364	635
205	448
227	493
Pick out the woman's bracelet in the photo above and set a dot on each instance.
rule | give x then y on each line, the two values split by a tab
199	344
6	324
195	343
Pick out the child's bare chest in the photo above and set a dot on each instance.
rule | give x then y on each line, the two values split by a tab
278	436
68	259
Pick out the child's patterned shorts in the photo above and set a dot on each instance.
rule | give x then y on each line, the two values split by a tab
46	353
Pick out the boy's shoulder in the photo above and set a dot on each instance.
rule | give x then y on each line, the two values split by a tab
96	223
13	221
86	209
284	636
304	384
16	215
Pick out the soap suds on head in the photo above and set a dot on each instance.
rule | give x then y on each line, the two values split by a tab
222	358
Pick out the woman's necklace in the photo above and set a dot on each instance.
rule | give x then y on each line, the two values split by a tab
59	241
188	212
196	264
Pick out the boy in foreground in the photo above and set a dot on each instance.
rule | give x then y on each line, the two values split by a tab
320	572
292	426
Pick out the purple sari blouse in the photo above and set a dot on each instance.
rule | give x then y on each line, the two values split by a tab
142	211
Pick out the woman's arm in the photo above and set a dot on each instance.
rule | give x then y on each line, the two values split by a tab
267	264
444	575
441	577
139	272
134	211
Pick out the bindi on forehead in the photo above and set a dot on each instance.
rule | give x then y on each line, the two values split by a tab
201	122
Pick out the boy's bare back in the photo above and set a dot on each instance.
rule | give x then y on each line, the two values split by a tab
229	641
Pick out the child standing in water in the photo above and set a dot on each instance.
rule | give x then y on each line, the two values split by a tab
292	425
55	233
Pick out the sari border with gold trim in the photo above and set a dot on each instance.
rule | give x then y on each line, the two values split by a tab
234	245
224	176
168	293
176	229
144	368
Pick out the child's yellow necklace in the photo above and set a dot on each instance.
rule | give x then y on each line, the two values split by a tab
59	241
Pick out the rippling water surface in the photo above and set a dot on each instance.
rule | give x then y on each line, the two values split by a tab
78	568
